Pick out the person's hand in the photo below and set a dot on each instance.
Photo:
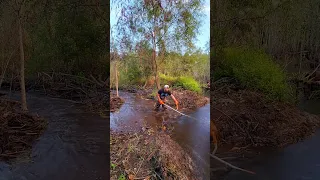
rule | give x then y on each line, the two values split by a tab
177	104
161	102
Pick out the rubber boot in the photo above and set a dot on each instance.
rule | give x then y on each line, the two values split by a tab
157	106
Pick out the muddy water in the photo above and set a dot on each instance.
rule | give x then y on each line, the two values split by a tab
300	161
192	135
74	146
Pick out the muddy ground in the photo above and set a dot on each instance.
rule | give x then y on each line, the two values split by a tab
18	130
246	118
149	155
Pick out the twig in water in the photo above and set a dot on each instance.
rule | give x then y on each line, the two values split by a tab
230	165
215	148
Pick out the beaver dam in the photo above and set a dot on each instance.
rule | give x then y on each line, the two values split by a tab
146	144
18	130
248	124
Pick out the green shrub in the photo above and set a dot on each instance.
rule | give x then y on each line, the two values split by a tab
167	79
254	69
187	83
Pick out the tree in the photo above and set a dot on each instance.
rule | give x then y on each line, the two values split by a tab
22	77
21	13
165	25
287	30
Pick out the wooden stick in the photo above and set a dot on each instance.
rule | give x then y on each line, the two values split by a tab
230	165
313	71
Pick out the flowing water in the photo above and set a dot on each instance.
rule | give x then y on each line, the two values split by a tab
74	146
192	135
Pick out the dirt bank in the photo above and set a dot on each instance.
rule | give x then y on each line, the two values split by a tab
246	118
188	99
18	130
149	155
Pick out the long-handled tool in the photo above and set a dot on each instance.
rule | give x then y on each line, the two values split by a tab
180	112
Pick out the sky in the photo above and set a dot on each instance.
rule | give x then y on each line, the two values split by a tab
204	30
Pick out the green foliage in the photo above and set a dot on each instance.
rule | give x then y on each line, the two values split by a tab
168	79
254	69
130	72
179	25
135	71
195	64
121	177
113	166
184	82
188	83
68	43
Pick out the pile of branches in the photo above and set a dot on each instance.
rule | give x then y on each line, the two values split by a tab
18	130
115	103
189	99
93	92
70	86
149	155
247	118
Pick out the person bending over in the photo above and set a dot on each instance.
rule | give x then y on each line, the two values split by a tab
162	95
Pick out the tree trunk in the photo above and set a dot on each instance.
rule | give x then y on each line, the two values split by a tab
155	62
117	82
22	82
5	69
4	73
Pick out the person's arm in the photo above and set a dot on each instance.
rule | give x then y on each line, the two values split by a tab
175	100
159	99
